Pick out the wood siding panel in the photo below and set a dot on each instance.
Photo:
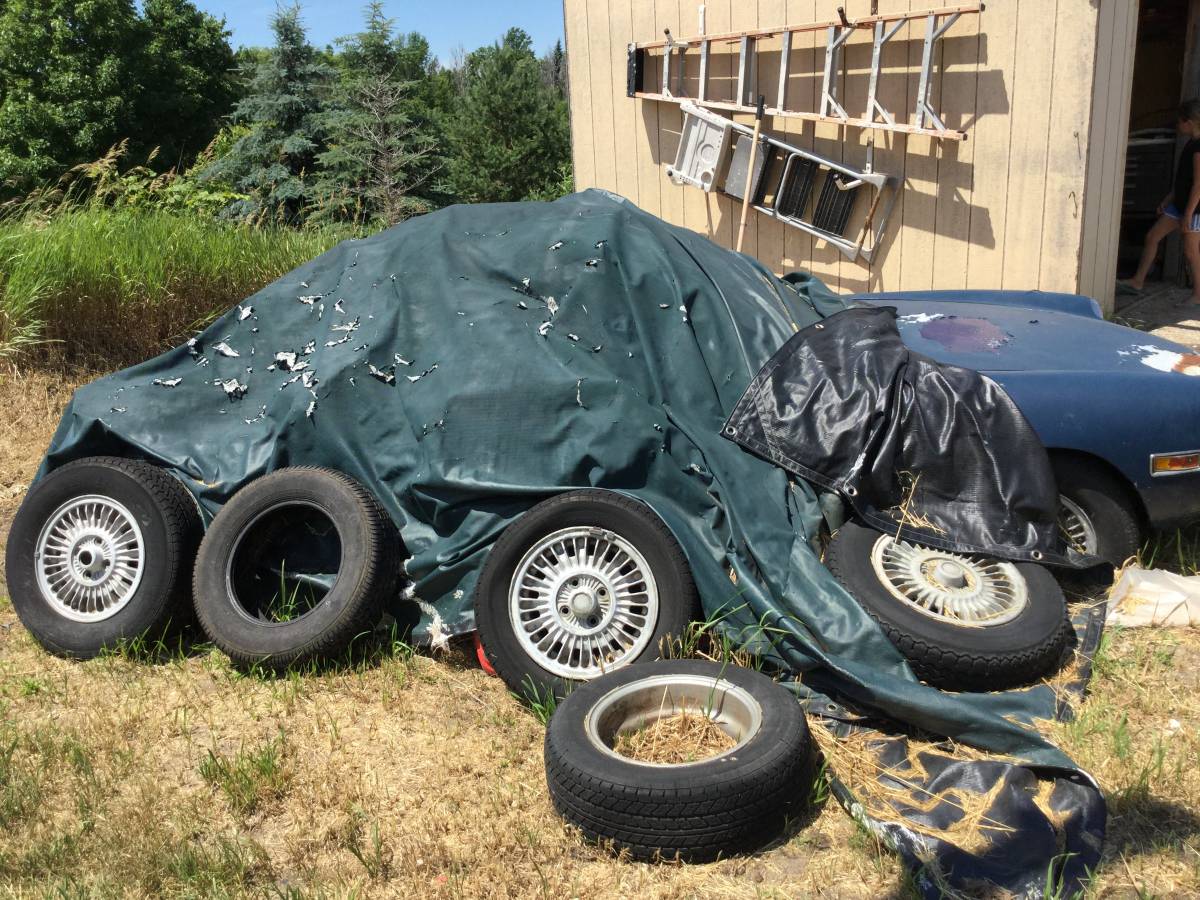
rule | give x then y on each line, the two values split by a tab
1116	36
1017	205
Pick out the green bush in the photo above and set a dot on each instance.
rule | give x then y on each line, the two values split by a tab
109	286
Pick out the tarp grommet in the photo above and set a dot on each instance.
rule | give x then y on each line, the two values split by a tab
851	491
1036	554
730	430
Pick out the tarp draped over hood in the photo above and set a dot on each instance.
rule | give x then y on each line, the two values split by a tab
467	364
936	453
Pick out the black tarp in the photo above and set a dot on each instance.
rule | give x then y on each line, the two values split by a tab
937	453
467	364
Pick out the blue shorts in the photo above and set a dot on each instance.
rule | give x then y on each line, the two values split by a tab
1171	211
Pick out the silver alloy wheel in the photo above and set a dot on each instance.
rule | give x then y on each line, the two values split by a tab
639	704
583	602
1076	527
89	558
950	587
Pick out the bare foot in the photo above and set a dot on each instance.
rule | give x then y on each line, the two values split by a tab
1132	285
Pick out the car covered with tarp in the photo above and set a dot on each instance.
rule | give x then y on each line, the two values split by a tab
579	429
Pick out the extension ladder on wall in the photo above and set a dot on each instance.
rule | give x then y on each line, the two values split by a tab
784	181
925	119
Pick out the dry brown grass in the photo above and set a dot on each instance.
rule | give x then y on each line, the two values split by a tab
682	738
411	776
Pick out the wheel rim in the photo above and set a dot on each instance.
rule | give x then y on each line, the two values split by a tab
89	558
1076	527
582	602
949	587
641	703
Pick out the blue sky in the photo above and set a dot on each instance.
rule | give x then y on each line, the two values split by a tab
446	23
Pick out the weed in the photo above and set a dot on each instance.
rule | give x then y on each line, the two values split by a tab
542	703
376	856
249	776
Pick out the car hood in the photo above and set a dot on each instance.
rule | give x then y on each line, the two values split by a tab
994	337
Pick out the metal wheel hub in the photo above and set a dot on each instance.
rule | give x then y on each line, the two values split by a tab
961	590
88	558
583	601
1076	527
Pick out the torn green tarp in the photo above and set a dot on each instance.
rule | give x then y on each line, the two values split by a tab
467	364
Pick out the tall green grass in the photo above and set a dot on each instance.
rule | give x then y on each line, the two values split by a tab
109	286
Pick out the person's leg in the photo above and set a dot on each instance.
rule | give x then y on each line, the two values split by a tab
1191	252
1159	230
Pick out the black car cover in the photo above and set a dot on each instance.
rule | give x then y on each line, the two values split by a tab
937	453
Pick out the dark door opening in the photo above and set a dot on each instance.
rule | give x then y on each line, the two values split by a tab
1163	76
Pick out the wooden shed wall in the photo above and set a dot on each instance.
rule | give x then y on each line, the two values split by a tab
1003	209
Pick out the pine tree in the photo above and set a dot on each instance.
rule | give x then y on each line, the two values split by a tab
273	162
378	157
509	136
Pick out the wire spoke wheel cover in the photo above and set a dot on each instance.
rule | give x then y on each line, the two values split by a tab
960	590
1076	527
584	583
99	555
583	600
963	623
89	558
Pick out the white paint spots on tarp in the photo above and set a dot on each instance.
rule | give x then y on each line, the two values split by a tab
401	361
573	337
920	318
579	394
429	371
233	388
224	349
545	327
338	308
244	312
557	245
312	408
166	382
262	414
387	377
439	635
310	299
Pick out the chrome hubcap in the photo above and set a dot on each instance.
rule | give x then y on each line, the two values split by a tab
89	558
1076	527
583	601
958	589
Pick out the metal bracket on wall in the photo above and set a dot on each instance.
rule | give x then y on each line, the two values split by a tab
925	120
784	181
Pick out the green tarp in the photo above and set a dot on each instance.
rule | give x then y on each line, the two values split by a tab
468	364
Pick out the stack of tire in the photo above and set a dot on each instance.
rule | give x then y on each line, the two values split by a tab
578	599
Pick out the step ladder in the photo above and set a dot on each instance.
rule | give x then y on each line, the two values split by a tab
924	119
714	155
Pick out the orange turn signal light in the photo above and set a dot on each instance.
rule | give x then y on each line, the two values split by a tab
1174	463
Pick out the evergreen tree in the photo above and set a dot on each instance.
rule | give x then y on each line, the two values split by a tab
509	136
273	162
380	152
554	70
69	81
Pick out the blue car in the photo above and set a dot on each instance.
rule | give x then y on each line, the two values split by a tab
1118	409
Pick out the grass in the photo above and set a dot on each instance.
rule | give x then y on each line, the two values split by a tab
158	770
92	283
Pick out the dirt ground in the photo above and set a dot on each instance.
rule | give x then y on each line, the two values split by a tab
411	775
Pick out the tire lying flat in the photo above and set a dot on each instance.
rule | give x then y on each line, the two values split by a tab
100	554
583	583
294	568
732	803
1013	638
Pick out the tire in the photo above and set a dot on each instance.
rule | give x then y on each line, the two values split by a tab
942	652
732	803
306	521
135	593
623	523
1096	508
